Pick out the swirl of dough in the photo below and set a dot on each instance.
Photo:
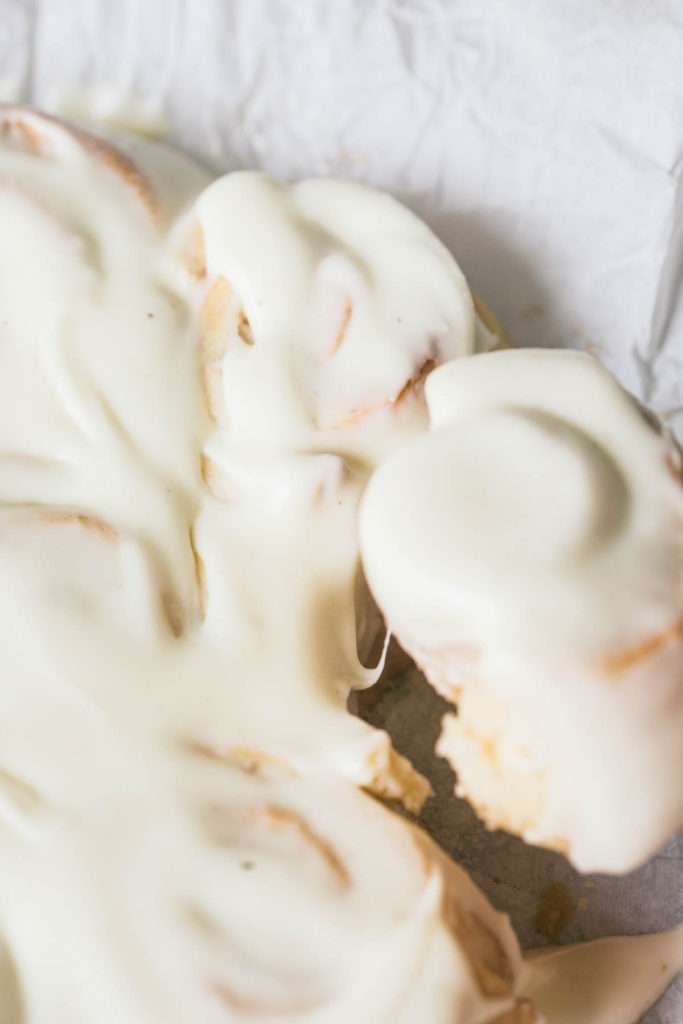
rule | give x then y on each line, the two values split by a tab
327	304
90	327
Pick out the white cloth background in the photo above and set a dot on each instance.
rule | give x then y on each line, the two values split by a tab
543	140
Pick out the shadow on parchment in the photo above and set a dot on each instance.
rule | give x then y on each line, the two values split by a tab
512	874
510	282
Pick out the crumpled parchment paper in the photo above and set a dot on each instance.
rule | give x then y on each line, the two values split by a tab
544	143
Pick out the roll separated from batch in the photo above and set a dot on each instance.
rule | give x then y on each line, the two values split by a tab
527	552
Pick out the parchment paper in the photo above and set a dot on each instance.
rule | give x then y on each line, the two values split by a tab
542	140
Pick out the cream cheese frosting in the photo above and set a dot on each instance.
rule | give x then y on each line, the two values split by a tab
527	551
196	382
348	297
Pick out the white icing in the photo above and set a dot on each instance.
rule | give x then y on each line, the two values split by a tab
181	838
525	550
347	294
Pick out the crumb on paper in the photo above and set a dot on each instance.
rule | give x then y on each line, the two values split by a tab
554	912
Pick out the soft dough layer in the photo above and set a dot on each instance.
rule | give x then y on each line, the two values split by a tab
527	553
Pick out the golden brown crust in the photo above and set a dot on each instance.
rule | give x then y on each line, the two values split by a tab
222	318
194	255
200	574
216	480
214	393
54	517
491	323
254	762
343	328
213	340
283	820
394	778
628	659
412	387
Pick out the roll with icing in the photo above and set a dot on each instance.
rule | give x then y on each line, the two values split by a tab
527	552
